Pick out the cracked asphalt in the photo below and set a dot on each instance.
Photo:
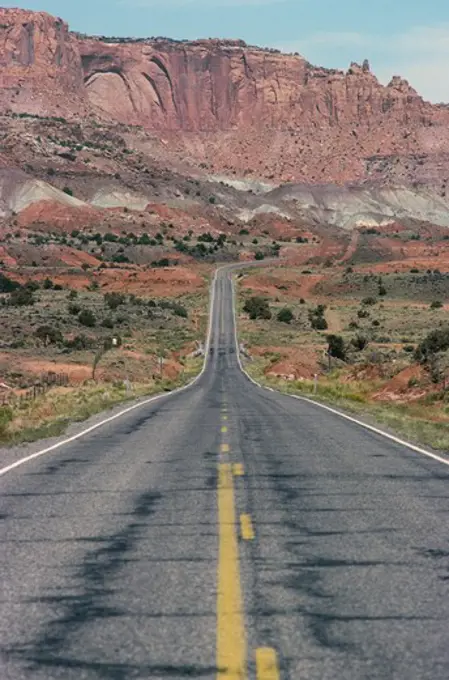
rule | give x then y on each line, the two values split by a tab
114	547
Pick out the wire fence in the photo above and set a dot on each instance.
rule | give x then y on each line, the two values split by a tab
41	386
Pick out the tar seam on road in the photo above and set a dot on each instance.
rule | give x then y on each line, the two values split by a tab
231	638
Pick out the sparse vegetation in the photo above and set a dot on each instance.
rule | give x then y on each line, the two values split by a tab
285	315
257	308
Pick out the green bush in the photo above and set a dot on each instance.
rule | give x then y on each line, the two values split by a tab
336	347
436	341
21	297
48	284
108	323
319	323
257	308
259	256
436	304
74	308
179	310
114	300
6	416
8	285
68	191
285	315
360	342
80	342
369	301
49	335
87	318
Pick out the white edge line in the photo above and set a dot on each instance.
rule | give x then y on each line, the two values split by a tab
376	430
58	445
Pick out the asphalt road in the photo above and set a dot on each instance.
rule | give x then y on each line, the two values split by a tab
226	532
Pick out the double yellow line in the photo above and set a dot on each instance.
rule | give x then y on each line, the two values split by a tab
231	634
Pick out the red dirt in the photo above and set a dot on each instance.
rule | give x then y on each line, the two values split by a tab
398	388
58	217
294	364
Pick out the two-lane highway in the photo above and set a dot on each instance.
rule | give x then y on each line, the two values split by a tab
226	532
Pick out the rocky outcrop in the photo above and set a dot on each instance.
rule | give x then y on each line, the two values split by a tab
40	64
221	85
236	108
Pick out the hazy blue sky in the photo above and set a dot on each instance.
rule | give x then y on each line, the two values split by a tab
408	37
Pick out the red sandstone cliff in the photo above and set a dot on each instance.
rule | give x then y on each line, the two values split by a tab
247	108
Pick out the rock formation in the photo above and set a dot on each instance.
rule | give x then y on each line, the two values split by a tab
237	108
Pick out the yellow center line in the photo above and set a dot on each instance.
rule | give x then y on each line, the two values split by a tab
238	469
225	448
231	639
266	664
224	429
246	526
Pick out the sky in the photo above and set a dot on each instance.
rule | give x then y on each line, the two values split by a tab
399	37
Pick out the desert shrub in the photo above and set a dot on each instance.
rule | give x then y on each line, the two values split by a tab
48	284
114	300
382	291
285	315
179	310
80	342
8	285
32	285
87	318
108	323
316	318
68	191
336	346
120	258
74	308
21	297
436	304
110	238
302	301
436	341
259	256
164	262
369	301
319	323
257	308
243	232
72	295
359	342
409	349
6	416
49	335
363	313
375	322
353	325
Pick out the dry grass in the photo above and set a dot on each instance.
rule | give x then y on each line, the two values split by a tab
420	422
50	414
